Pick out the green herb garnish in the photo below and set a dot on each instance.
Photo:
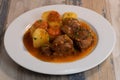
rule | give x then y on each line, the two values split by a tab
35	38
40	20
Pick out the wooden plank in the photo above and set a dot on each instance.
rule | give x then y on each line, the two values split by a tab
115	16
74	2
4	4
0	2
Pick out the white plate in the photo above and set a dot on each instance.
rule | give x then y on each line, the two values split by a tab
15	48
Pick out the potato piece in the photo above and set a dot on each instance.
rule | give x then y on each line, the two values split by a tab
45	15
69	15
32	29
40	38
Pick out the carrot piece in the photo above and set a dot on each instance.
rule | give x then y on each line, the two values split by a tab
53	32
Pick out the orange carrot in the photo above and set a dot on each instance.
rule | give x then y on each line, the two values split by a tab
41	24
53	32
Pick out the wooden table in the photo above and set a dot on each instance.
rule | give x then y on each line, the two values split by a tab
108	70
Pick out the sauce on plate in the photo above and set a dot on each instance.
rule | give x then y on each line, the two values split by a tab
36	52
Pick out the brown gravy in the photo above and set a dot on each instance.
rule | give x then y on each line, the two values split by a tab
27	40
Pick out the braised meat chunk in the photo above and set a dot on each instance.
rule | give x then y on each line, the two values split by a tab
70	26
78	32
84	43
63	45
46	50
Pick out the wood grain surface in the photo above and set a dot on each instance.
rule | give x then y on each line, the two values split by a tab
108	70
3	15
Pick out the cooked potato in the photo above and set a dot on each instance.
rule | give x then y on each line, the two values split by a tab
32	29
45	15
69	15
40	38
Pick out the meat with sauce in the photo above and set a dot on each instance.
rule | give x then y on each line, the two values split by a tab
46	50
80	34
62	45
